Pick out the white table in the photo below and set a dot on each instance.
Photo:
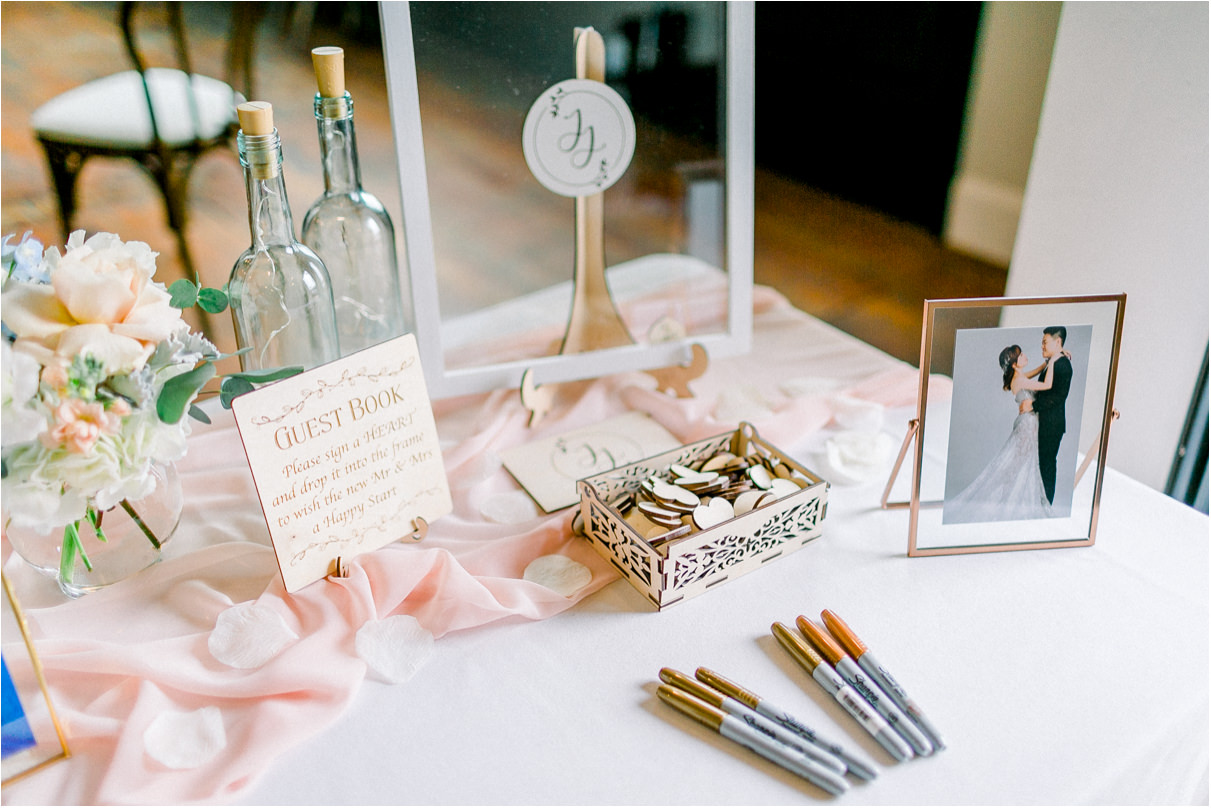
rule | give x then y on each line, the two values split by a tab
1057	676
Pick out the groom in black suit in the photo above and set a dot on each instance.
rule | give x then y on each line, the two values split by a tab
1049	404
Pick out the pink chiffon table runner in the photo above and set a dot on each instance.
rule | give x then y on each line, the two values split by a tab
117	659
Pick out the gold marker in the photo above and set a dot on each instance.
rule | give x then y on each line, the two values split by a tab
860	681
736	730
812	757
867	662
856	765
835	686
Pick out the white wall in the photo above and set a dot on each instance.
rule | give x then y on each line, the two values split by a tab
1004	99
1117	202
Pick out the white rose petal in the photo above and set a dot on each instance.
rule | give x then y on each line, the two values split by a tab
559	574
740	404
19	379
248	635
854	457
185	740
394	648
480	468
509	508
808	386
857	415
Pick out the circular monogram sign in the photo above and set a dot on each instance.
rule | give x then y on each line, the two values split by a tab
579	137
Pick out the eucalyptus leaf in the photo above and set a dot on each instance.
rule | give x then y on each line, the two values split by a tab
212	300
267	374
233	386
179	391
198	414
183	294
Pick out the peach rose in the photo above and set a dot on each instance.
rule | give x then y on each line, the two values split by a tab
79	424
101	302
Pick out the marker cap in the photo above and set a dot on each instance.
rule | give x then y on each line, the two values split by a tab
843	634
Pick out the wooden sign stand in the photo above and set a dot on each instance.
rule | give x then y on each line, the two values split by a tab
595	323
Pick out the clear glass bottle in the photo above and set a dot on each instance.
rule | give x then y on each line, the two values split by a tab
348	227
281	295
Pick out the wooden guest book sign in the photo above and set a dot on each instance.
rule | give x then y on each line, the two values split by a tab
345	458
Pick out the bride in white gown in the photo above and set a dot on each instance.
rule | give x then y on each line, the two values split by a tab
1010	486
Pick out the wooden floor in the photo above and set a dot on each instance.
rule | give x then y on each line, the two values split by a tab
850	266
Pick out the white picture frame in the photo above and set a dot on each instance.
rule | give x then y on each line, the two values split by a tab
445	381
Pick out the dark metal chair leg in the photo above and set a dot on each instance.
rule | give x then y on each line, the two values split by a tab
64	163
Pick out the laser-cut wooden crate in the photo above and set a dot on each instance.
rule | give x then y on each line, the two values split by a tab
689	566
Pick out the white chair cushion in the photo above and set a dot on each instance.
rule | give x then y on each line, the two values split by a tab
112	111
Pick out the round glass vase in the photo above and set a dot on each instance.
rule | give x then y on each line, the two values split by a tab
135	533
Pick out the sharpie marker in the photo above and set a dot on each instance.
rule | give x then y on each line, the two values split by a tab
736	730
860	681
698	690
856	765
835	686
867	662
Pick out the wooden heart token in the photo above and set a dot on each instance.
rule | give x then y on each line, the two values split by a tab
659	515
748	500
760	476
782	487
713	512
696	480
673	493
717	462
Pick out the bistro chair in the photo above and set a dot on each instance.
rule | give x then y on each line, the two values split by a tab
162	118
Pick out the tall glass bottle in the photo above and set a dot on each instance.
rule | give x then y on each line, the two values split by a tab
281	296
348	227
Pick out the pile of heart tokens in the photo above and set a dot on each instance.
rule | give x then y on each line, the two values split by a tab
722	487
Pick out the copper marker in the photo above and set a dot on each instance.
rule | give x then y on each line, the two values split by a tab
856	765
736	730
869	663
819	762
860	681
836	687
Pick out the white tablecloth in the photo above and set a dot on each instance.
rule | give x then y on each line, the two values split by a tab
1056	676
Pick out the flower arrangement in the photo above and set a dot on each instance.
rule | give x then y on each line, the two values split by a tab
99	369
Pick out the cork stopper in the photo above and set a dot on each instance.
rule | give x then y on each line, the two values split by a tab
329	63
256	117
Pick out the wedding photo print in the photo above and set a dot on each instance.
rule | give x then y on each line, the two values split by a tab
1015	422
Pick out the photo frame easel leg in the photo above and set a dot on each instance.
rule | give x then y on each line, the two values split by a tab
913	427
676	378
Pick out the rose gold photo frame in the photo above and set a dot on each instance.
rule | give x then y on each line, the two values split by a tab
990	473
33	736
